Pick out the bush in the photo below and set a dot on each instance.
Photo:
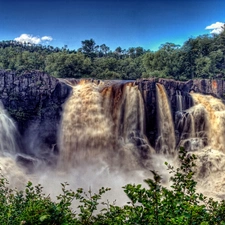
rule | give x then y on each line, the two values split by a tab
158	205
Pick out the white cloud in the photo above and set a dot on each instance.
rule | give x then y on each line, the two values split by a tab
216	28
47	38
27	38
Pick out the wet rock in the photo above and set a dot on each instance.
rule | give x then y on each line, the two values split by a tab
34	100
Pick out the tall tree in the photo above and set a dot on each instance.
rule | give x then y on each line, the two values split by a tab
88	48
118	52
105	49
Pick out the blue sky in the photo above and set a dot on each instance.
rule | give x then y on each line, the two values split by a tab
133	23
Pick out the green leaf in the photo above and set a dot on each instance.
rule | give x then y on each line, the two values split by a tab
44	217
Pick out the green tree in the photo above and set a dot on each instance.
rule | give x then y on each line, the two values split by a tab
118	52
73	65
203	65
104	49
88	48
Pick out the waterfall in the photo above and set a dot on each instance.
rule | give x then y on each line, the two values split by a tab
214	114
8	133
86	131
103	125
103	136
179	102
203	124
205	129
129	115
8	150
166	141
192	125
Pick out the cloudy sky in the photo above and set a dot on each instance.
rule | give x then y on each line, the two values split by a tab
145	23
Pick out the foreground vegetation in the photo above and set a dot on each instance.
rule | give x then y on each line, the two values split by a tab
200	57
156	205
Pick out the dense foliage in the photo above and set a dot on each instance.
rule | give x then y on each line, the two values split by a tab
200	57
157	205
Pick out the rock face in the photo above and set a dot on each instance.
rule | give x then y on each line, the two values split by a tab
34	100
178	94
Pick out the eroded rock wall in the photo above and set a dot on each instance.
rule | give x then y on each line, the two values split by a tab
34	100
176	91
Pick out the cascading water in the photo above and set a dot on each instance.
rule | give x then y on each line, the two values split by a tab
203	124
215	117
86	131
8	150
191	126
105	125
100	128
179	102
8	132
166	141
130	119
202	129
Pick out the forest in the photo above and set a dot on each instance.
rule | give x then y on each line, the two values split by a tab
200	57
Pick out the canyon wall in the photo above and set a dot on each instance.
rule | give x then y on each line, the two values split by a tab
35	102
178	95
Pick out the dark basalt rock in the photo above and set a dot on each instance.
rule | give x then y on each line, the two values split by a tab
174	88
34	100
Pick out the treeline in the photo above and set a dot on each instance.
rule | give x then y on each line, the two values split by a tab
200	57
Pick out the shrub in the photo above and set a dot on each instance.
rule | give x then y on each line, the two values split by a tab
158	205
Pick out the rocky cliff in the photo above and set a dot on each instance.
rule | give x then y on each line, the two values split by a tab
176	91
34	100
